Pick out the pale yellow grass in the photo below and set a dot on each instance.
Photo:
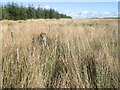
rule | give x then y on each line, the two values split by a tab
82	53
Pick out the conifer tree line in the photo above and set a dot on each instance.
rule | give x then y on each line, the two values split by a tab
13	11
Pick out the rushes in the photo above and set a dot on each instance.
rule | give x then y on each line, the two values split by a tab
80	56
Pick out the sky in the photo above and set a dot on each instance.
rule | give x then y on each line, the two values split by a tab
76	9
61	0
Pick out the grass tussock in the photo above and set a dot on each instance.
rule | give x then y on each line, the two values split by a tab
80	54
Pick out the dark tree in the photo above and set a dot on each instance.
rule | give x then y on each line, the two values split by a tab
12	11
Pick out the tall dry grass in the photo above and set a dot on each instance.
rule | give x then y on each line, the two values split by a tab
81	54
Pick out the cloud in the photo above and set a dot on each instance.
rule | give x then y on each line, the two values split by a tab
95	14
68	11
107	13
117	12
110	14
36	7
46	7
85	12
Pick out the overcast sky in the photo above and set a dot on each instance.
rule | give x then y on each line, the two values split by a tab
76	9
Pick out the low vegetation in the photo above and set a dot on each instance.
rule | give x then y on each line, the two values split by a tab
81	53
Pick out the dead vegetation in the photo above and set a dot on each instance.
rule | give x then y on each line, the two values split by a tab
81	54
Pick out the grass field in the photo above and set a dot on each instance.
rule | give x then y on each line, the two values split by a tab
81	53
